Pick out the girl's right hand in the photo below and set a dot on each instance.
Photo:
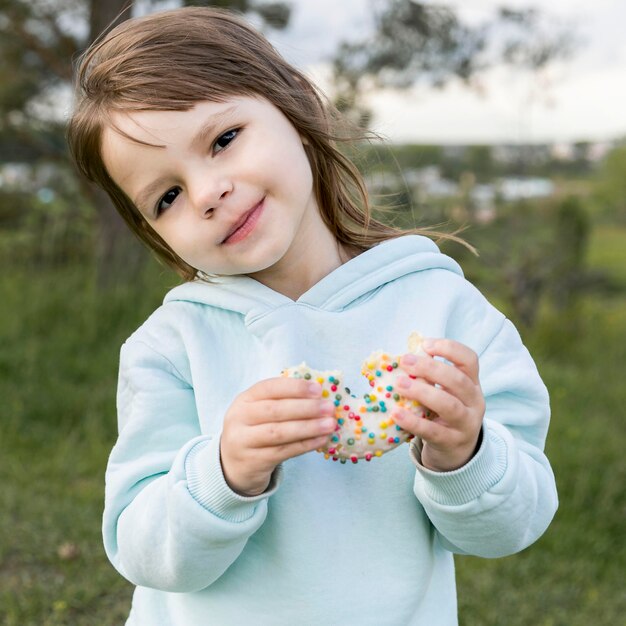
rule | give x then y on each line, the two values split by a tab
273	421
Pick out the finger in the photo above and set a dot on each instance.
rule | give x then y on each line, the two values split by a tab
288	409
281	434
277	454
450	377
461	355
433	432
282	387
447	406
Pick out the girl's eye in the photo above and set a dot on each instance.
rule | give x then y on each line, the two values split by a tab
167	200
223	141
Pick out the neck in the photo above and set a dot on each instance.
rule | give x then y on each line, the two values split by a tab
310	258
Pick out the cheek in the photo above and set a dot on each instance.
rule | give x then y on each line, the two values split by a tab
180	237
286	162
297	170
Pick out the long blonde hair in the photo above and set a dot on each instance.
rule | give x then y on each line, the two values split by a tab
170	61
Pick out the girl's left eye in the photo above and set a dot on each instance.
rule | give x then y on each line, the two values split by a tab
223	140
167	200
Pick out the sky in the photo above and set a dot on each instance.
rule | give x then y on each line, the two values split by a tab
583	99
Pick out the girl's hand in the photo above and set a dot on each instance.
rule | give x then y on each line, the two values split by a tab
453	394
274	420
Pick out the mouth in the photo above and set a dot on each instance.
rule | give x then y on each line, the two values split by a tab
245	224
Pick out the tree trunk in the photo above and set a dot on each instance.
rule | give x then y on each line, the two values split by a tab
119	255
104	16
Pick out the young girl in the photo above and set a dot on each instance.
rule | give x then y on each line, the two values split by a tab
222	158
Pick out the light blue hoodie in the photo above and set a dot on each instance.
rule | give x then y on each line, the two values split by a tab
365	544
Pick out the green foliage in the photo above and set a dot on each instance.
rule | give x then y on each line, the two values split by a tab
611	185
530	251
36	54
417	42
403	156
52	226
480	160
607	254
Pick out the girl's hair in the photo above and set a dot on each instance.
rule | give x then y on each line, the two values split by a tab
170	61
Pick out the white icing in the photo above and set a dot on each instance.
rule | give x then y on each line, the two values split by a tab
365	428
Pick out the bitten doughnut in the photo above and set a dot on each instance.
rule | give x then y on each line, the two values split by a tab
365	428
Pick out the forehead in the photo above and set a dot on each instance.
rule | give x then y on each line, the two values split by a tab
151	127
131	133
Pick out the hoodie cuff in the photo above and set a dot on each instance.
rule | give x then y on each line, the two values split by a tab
477	476
207	485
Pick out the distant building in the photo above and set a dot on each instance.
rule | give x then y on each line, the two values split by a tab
512	189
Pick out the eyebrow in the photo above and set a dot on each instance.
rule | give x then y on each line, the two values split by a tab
146	193
206	130
210	128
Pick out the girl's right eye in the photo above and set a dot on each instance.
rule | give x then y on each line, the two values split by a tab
225	139
167	200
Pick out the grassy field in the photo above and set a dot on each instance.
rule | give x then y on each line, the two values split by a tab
607	252
59	343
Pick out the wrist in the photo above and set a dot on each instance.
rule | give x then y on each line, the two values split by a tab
207	485
448	461
242	484
248	490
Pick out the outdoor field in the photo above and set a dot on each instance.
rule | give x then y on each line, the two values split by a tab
495	128
59	342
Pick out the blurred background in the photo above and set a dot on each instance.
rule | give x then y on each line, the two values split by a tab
502	119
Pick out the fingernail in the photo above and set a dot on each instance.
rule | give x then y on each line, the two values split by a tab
328	407
428	344
409	359
315	389
404	382
397	416
328	424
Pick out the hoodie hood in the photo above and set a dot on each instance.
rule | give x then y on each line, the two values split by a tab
337	291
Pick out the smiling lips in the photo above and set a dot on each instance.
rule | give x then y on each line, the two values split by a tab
241	229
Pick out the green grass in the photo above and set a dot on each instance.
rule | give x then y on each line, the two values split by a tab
607	252
59	344
574	574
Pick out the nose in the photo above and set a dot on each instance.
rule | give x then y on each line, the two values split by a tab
208	192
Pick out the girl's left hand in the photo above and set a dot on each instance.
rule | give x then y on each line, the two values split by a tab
453	395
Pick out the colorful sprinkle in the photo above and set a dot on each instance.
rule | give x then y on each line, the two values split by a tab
349	444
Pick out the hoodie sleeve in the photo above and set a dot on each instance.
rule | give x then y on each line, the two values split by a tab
170	522
505	497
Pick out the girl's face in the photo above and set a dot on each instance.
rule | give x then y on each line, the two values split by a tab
227	185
